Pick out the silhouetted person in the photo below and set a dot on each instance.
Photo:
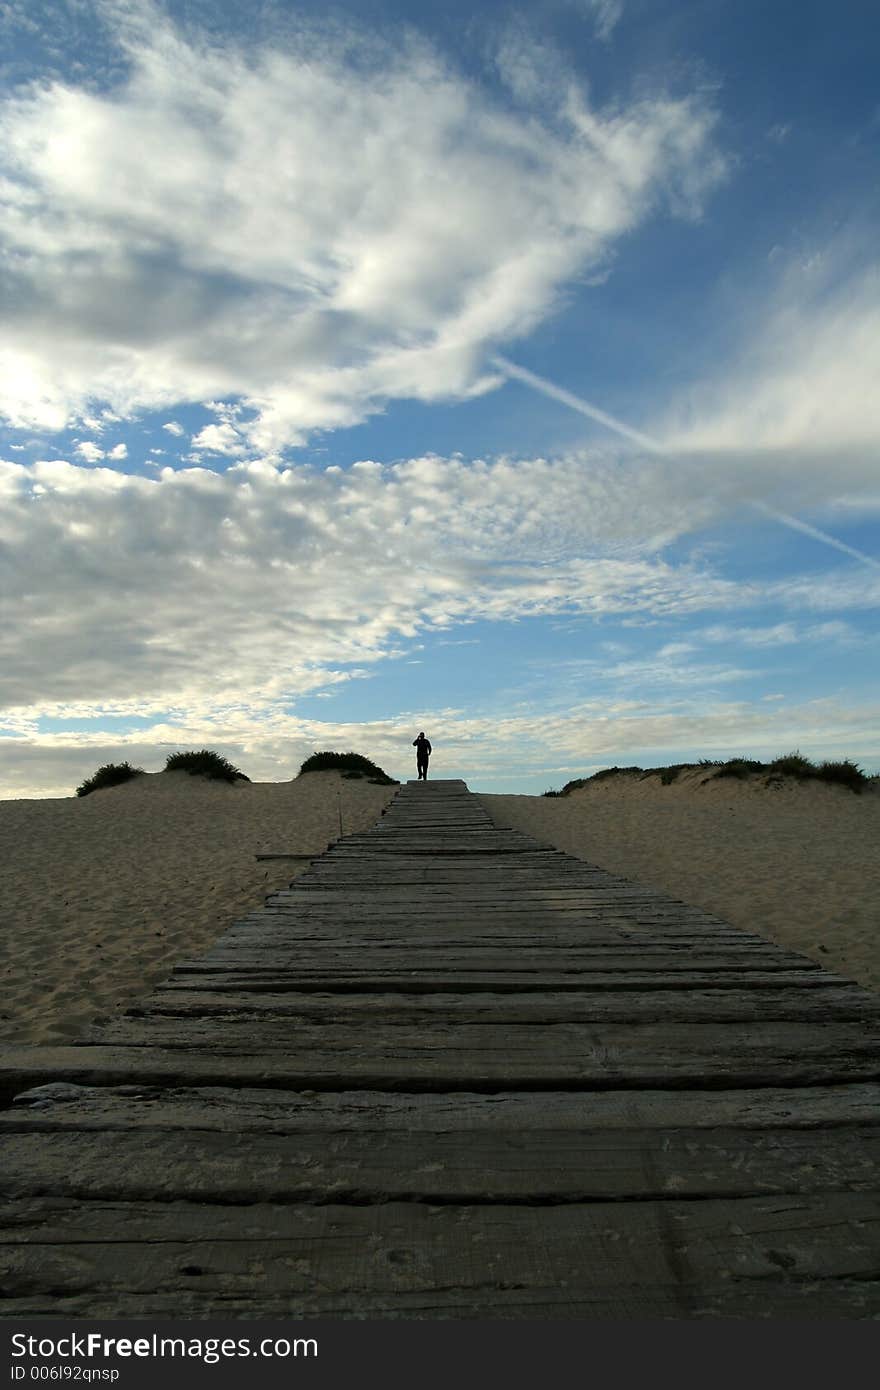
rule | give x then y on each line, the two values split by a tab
423	753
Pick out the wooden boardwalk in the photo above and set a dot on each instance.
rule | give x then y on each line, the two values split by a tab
454	1073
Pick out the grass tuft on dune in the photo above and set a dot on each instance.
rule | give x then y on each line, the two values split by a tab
844	772
110	775
350	765
205	763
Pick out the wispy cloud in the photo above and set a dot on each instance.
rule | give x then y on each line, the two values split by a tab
201	230
802	378
834	635
606	15
770	466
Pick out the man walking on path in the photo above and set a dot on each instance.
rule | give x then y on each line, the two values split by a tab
423	753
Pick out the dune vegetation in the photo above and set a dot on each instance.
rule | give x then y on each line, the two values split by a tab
844	772
351	765
110	775
203	763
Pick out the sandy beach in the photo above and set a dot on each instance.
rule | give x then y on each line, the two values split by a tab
103	894
797	862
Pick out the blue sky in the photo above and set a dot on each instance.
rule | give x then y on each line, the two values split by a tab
504	371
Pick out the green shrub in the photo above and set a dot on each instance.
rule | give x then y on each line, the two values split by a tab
551	792
740	767
793	765
110	775
348	763
846	772
204	763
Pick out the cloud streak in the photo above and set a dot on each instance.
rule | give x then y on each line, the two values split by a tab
574	402
654	446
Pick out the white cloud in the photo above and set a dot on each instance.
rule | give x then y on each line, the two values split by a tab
89	451
288	572
204	229
118	452
173	428
219	439
199	589
784	634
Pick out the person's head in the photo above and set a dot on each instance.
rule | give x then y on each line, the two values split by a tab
422	734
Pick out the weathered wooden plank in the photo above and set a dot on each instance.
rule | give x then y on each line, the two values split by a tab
384	951
247	1110
813	1300
458	914
317	898
455	909
845	1003
499	1165
552	970
565	960
463	938
617	1045
460	930
193	974
481	887
459	1058
129	1253
326	907
466	921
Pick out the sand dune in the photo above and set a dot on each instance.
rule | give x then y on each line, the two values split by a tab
798	862
102	894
